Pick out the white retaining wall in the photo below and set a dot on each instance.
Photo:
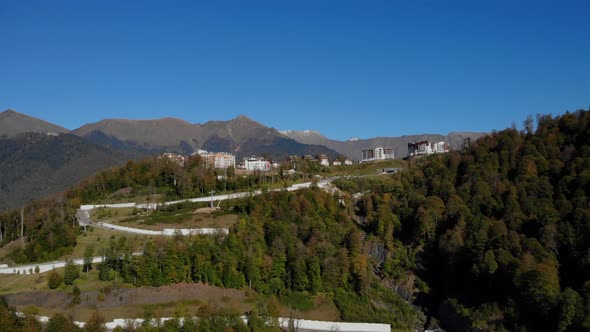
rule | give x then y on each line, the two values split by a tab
166	231
152	206
43	267
115	206
284	323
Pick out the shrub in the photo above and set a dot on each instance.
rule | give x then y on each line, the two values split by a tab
54	280
76	295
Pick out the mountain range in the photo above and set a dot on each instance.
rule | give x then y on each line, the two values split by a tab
241	136
38	158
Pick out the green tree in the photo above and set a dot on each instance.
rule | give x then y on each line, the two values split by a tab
76	295
59	323
489	262
88	253
54	279
104	272
315	275
71	273
95	323
9	321
571	307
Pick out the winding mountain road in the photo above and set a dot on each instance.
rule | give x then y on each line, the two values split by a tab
84	220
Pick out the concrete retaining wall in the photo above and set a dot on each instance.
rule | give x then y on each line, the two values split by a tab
284	323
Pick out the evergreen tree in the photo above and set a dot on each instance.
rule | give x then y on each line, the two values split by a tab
88	252
72	272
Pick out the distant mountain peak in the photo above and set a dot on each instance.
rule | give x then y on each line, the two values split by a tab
242	120
13	123
243	117
9	112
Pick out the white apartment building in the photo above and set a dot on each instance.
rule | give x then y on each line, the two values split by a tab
378	153
217	159
256	164
424	148
177	158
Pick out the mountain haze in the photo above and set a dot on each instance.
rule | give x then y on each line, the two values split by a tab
13	123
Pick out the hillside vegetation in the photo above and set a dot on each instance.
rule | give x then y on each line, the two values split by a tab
501	229
34	165
50	226
495	237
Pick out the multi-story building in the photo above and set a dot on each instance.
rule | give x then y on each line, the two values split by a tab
256	164
378	153
423	148
217	159
324	160
177	158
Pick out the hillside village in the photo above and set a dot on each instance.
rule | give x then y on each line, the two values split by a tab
224	160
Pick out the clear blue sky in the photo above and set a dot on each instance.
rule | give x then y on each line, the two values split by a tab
345	68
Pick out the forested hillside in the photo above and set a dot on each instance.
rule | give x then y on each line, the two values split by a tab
495	237
502	229
50	225
34	165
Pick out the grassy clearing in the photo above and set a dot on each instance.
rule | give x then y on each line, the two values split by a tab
8	249
187	221
305	306
182	215
13	284
125	301
369	168
100	240
17	283
102	214
137	198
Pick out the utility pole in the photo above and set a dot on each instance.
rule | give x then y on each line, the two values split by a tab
22	225
212	192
